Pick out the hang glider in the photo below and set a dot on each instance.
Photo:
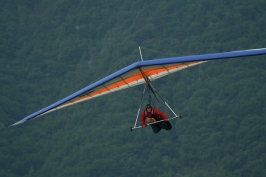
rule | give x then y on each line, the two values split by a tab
135	74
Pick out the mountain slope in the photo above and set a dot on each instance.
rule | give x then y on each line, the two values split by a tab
50	49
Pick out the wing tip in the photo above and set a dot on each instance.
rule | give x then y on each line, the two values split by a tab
19	122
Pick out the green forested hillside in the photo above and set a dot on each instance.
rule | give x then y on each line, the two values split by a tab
50	49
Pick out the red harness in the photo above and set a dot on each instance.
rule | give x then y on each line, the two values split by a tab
146	113
152	115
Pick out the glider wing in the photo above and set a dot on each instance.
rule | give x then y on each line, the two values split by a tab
134	74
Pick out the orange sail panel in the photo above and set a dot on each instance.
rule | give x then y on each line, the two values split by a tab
136	78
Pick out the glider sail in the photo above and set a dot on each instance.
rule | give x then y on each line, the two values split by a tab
134	74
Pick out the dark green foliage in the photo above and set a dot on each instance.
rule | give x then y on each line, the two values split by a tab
50	49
